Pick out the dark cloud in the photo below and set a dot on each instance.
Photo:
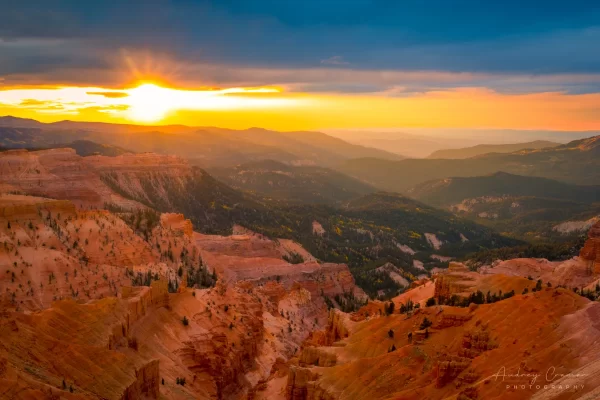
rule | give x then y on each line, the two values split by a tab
45	38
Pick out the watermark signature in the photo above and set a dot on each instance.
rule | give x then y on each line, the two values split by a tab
535	380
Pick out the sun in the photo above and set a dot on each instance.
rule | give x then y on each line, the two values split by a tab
149	102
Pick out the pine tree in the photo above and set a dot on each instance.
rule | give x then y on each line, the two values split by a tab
425	324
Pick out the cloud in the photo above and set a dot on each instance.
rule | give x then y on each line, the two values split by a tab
334	60
110	95
32	103
508	46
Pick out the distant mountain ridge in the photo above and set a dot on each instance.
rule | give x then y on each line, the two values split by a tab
203	146
480	149
526	207
577	162
293	184
443	192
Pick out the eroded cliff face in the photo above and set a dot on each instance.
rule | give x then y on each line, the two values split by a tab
148	177
303	384
52	251
56	173
451	358
460	348
73	272
72	342
591	250
94	181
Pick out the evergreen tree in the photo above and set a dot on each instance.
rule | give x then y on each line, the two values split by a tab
425	324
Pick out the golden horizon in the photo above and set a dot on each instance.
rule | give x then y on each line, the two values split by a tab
272	107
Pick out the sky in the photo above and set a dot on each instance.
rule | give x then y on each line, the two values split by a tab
293	65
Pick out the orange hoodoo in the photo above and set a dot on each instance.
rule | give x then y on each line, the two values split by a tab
591	249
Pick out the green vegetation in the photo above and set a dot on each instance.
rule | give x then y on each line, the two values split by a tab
475	298
389	308
200	277
445	192
407	307
425	324
523	207
552	251
279	182
294	258
366	233
141	279
348	302
141	221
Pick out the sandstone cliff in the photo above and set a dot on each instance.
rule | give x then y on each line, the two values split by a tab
591	250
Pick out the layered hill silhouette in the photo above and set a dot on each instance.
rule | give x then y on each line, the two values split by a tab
577	162
480	149
204	146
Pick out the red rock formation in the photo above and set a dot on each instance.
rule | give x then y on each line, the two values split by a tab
146	384
336	326
442	366
300	384
448	368
476	342
71	342
126	339
177	223
316	356
591	250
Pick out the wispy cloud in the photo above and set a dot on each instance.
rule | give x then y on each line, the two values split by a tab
334	60
110	95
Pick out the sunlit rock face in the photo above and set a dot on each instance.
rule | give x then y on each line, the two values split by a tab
591	250
71	309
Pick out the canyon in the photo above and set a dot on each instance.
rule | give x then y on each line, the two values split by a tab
103	296
77	322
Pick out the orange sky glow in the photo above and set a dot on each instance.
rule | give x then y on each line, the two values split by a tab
276	108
